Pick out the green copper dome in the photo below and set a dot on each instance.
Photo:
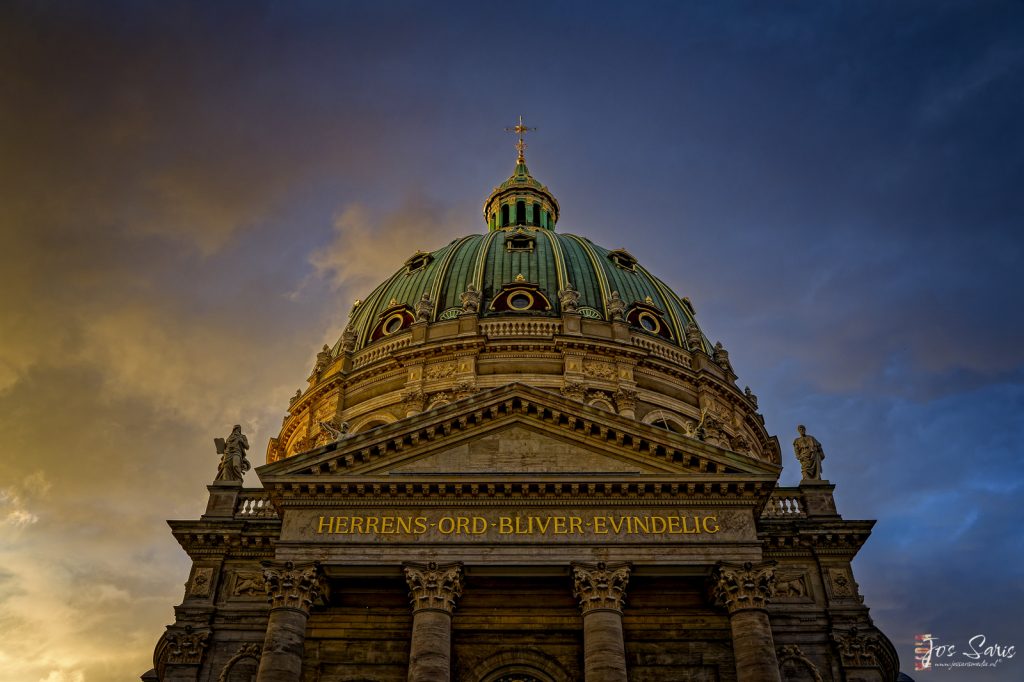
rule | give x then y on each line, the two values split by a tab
536	261
522	268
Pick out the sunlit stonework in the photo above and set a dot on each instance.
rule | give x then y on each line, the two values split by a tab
522	460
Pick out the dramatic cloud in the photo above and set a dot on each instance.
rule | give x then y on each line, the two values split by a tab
193	196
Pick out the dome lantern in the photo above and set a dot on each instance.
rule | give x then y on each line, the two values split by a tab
521	201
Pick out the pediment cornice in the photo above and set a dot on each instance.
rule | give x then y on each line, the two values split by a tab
371	453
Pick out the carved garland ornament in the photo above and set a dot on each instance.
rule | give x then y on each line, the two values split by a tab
292	586
600	586
747	586
600	370
434	587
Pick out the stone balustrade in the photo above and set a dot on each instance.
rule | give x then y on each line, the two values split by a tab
785	503
254	504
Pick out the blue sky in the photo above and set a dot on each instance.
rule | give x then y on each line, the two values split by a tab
194	195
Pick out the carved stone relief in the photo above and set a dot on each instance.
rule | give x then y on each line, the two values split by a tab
599	370
442	370
248	584
841	583
791	585
202	582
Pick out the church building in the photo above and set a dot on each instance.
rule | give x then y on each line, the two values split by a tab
522	461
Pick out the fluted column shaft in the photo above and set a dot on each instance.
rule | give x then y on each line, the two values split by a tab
433	591
744	589
601	591
291	590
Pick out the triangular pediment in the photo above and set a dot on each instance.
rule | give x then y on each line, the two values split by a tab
515	430
520	448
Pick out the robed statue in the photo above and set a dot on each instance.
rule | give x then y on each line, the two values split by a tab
233	463
809	454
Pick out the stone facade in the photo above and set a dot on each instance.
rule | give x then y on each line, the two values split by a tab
562	494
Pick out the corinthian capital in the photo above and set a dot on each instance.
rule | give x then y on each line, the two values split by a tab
743	586
432	586
600	586
292	586
186	646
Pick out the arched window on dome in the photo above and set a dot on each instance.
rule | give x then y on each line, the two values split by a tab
504	215
663	419
520	213
536	215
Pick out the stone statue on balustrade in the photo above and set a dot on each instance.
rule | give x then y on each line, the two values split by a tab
809	454
233	463
470	299
424	308
323	359
616	307
569	298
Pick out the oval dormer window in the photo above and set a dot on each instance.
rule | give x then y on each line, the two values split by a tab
393	324
520	300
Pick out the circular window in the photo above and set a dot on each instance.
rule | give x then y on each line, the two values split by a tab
648	322
520	300
393	324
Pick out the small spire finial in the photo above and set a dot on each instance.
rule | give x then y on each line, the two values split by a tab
519	129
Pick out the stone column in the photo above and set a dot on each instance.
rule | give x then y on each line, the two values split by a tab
291	589
433	591
601	590
745	589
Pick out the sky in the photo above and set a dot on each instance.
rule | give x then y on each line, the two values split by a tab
192	195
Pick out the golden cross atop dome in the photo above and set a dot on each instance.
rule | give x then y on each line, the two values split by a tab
519	129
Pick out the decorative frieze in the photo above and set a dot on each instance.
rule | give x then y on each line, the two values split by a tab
441	370
292	586
743	586
600	586
433	586
599	370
